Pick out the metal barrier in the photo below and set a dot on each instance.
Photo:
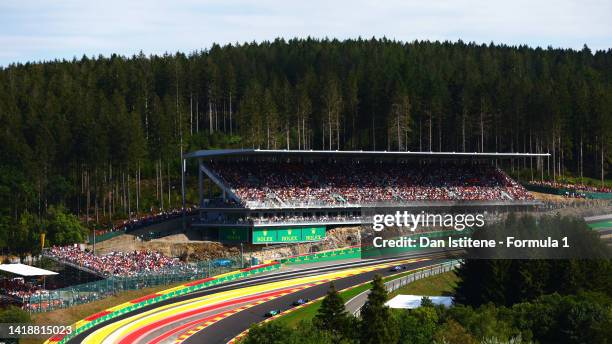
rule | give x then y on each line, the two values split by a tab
47	300
355	304
93	320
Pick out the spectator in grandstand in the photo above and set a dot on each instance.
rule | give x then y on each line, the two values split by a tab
317	183
147	220
20	291
116	263
577	189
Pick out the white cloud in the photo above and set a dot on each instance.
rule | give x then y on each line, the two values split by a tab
34	30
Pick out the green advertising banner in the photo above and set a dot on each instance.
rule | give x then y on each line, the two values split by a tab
287	235
234	234
264	236
313	234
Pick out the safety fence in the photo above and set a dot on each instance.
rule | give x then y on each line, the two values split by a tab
110	313
47	300
355	304
199	284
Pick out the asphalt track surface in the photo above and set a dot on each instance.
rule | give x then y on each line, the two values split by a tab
224	330
227	328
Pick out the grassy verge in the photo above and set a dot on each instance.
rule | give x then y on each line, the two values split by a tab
442	284
307	313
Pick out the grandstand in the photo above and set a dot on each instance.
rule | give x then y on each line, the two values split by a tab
285	196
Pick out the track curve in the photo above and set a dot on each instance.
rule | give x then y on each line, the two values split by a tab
223	331
226	310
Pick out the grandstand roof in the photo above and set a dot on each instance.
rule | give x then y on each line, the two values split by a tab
25	270
221	153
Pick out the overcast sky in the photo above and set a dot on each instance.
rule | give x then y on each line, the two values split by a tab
43	30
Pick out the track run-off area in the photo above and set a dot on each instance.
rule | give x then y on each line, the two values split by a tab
218	314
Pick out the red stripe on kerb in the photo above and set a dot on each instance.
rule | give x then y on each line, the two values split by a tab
144	298
191	284
97	315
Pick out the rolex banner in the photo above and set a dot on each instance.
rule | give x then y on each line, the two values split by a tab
287	235
234	235
313	233
264	236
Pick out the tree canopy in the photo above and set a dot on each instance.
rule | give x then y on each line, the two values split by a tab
506	281
84	133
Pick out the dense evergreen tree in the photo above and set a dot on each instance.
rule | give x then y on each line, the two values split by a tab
73	131
377	325
332	315
509	281
583	317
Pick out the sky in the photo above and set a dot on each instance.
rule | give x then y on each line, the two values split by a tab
37	30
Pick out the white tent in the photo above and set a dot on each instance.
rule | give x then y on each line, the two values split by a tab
25	270
414	301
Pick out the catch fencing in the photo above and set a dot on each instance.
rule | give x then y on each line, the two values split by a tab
47	300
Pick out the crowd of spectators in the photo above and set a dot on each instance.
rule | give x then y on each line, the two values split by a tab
20	289
116	263
359	183
19	292
576	188
30	295
301	218
140	221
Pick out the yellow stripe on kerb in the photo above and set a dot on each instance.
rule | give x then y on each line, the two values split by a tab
113	332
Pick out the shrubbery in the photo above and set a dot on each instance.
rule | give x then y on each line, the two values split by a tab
583	318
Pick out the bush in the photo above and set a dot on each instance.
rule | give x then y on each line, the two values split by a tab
452	332
559	319
417	326
276	333
584	318
13	314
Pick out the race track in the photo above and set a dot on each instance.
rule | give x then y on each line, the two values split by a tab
223	331
217	314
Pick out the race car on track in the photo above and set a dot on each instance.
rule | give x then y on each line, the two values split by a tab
272	313
300	302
